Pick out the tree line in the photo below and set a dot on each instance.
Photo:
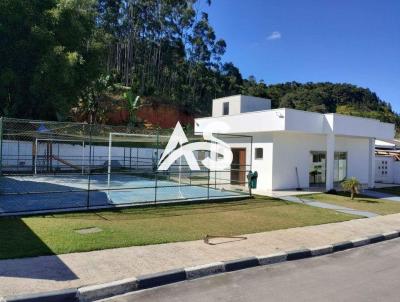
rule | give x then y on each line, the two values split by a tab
61	54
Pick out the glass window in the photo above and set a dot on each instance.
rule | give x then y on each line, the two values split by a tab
340	166
318	167
259	153
225	108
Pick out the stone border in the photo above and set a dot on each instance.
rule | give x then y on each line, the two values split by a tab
106	290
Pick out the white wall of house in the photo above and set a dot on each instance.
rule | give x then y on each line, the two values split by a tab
357	156
264	166
387	170
240	104
300	121
396	172
223	177
284	151
290	135
293	150
384	169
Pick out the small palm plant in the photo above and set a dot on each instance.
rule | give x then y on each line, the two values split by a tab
133	106
351	185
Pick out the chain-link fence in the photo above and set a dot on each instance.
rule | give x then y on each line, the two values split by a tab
58	166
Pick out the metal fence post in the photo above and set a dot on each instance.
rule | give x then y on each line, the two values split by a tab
251	162
1	145
208	185
155	169
130	158
89	164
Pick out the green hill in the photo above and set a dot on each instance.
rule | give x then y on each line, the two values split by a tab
325	98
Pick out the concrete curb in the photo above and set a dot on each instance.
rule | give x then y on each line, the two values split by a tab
376	238
360	242
101	291
65	295
321	250
272	259
239	264
298	254
195	272
106	290
341	246
163	278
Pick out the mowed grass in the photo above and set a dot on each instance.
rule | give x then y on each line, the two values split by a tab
56	234
360	202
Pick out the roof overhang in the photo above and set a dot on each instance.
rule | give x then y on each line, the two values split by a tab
284	119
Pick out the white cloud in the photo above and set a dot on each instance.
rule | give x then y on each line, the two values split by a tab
274	36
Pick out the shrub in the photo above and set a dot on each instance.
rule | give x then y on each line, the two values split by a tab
351	185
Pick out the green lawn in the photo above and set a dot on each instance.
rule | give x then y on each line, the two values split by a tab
360	202
55	234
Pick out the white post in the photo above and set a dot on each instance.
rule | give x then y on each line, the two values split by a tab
36	152
330	160
371	163
109	163
137	158
179	177
83	157
180	169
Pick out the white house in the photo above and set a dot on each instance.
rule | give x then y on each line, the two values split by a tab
387	162
292	148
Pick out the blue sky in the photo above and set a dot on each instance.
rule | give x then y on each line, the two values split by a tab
354	41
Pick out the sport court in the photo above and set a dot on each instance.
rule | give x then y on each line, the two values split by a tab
50	167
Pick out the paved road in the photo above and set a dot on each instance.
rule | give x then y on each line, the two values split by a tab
370	273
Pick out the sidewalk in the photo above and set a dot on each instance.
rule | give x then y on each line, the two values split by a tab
48	273
380	195
324	205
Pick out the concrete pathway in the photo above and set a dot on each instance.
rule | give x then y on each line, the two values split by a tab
324	205
47	273
380	195
280	193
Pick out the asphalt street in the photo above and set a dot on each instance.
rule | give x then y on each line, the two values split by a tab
370	273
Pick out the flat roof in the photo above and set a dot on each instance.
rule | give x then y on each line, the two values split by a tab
285	119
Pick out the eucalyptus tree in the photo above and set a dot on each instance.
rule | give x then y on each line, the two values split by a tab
51	53
164	48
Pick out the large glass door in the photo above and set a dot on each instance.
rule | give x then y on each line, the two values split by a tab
340	168
318	168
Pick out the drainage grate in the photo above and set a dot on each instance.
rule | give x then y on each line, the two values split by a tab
90	230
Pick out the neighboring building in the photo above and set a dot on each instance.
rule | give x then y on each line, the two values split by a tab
292	148
387	162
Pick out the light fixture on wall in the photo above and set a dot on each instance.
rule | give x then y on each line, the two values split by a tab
279	114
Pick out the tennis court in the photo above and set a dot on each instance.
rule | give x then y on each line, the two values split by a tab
52	166
40	193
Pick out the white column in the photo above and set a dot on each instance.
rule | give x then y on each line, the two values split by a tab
371	163
330	159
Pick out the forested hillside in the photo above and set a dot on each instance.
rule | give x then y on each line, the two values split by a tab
59	57
327	97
